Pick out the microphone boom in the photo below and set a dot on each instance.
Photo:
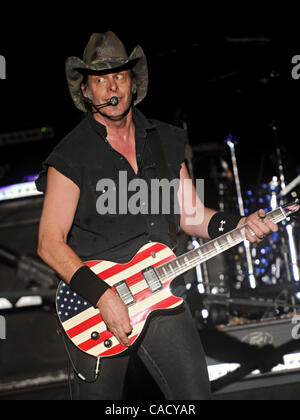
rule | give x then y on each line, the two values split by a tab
112	102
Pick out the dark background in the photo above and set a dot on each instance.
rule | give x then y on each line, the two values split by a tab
223	70
220	70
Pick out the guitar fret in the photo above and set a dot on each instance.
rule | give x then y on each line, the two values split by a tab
217	246
205	249
171	268
229	239
279	211
210	249
237	236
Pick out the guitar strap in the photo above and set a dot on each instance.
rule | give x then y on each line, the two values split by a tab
162	171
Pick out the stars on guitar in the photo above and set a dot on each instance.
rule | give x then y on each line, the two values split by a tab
70	304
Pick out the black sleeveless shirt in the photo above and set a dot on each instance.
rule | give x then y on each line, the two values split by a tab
87	158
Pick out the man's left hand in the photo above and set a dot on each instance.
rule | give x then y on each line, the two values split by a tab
259	226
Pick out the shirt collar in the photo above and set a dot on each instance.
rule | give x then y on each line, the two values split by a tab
96	126
140	121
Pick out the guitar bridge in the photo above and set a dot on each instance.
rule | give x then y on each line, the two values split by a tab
152	279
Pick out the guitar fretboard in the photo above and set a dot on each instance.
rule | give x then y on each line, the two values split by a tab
191	259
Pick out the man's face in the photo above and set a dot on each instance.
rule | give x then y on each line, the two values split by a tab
101	88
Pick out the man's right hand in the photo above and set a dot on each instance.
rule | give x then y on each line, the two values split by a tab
115	314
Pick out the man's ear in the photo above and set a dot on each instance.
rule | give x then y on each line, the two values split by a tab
133	89
86	92
83	90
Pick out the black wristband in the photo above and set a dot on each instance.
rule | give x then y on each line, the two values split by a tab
88	285
222	222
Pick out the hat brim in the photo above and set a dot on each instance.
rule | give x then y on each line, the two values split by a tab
77	68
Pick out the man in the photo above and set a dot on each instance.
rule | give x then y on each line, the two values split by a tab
113	139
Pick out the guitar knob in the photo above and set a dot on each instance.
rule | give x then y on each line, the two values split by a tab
95	336
108	343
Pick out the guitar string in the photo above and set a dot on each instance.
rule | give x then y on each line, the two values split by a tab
199	259
164	278
177	271
186	265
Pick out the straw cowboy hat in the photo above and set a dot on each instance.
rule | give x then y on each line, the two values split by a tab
106	52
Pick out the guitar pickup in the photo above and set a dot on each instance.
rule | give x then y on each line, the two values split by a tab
152	279
124	292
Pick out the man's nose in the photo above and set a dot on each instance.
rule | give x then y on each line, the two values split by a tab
112	85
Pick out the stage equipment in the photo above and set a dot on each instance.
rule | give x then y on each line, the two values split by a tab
25	280
276	260
231	142
272	263
289	225
29	269
20	190
252	355
26	136
21	154
293	184
33	359
271	257
194	243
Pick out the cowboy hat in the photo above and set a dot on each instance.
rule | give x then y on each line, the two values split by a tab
106	52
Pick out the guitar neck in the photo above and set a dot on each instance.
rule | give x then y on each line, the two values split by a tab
214	247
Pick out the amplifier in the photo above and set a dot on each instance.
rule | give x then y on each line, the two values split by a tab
33	354
19	222
19	190
253	355
25	136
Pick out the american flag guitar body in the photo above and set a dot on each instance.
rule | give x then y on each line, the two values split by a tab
144	286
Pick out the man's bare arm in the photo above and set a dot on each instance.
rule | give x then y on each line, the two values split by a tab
59	208
195	216
58	212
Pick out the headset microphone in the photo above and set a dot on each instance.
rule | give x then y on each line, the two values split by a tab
112	102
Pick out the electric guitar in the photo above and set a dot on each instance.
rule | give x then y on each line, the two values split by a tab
144	286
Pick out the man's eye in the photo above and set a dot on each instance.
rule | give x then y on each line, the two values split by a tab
120	76
100	80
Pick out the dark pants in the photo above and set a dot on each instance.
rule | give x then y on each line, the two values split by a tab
171	351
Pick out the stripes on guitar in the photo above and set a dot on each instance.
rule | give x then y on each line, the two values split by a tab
80	320
79	325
